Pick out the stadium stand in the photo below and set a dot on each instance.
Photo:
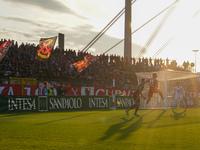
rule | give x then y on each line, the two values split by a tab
19	62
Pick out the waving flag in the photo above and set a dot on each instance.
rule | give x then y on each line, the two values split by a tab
89	59
4	49
46	46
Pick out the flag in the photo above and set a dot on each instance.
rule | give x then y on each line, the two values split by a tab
89	59
46	46
4	49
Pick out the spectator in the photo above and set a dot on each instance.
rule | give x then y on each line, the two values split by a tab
44	89
19	62
51	91
61	90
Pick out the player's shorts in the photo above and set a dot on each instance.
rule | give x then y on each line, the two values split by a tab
178	96
153	90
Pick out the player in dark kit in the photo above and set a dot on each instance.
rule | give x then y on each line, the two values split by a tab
136	97
153	87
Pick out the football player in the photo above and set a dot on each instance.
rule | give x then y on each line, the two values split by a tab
178	93
153	87
136	97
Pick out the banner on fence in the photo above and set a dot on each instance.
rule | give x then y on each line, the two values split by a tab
12	104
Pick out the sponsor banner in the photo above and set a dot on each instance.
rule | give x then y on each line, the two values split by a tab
105	91
34	90
15	89
101	102
30	90
77	102
18	104
9	104
10	89
65	103
124	102
13	104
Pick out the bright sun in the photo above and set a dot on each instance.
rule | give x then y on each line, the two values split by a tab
182	24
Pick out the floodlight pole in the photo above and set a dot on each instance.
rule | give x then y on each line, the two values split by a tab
195	59
127	32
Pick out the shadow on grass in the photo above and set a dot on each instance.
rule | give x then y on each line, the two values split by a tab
125	132
178	124
13	114
115	128
65	118
158	118
177	116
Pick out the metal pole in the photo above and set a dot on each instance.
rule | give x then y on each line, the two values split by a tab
127	31
195	60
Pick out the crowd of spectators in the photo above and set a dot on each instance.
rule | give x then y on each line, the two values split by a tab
20	62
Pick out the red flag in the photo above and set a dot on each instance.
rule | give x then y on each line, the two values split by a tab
4	49
89	59
46	46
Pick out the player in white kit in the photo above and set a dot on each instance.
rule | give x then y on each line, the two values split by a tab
178	93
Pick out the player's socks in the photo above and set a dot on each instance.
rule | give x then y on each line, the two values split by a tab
127	112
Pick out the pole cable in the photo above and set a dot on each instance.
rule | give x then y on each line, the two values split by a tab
105	28
141	26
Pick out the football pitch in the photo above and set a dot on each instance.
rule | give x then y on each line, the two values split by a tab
101	130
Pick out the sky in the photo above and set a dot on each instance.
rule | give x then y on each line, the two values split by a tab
81	20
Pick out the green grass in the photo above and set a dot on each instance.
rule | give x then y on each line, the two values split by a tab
101	130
